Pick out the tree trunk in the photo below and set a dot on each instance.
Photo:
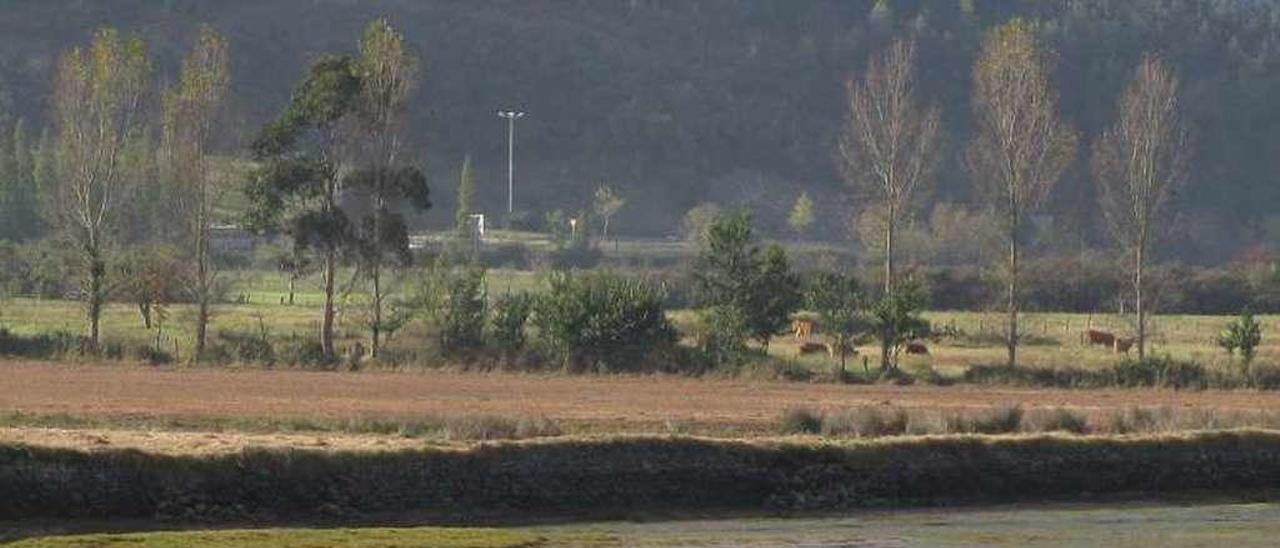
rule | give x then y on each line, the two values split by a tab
326	329
1138	304
97	271
377	311
292	281
886	331
203	286
1013	296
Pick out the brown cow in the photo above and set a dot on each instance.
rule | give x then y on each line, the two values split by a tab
803	328
1100	338
918	349
1122	345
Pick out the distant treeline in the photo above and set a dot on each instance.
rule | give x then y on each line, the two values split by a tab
736	102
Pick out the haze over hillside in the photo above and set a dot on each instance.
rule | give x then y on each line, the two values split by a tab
680	102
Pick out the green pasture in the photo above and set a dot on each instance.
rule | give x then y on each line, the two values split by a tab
257	303
441	537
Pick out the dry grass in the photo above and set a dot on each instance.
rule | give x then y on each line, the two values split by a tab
578	404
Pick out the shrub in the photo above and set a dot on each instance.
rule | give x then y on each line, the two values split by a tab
244	347
462	317
1162	372
1059	420
867	421
507	326
720	334
151	355
602	321
800	420
1243	334
484	427
305	353
46	345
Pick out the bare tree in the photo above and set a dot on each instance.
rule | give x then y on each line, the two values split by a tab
1138	164
387	72
606	204
98	109
1021	147
191	110
887	146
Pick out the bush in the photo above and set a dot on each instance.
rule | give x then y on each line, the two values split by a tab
720	334
507	326
46	345
1160	372
800	420
151	355
243	347
305	353
464	311
602	322
867	422
1059	420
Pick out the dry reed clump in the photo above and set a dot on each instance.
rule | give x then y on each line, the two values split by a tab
873	421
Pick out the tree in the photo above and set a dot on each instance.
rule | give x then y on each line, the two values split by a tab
602	321
98	109
1020	146
192	108
607	203
887	146
773	296
801	217
898	319
1138	164
19	196
840	305
1243	334
298	183
733	272
387	74
466	198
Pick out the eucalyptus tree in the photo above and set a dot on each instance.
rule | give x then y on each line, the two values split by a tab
98	109
302	158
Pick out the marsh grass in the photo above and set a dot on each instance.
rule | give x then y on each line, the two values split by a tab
876	421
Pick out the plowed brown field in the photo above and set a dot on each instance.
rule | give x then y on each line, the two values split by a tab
613	403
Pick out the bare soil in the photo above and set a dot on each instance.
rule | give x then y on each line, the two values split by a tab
613	403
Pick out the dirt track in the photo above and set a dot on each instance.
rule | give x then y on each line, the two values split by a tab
614	402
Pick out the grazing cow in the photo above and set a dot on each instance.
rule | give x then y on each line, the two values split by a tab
917	348
1100	338
1122	345
814	347
803	328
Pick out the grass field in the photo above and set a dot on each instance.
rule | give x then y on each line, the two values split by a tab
1055	337
439	537
323	404
1137	525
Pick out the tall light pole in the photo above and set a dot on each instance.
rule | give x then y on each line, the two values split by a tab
511	116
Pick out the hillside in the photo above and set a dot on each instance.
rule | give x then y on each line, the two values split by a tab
679	102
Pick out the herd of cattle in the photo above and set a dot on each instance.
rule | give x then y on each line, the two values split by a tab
804	329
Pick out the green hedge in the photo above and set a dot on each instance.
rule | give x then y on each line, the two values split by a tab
624	474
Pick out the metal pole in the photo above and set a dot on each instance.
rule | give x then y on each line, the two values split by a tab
511	163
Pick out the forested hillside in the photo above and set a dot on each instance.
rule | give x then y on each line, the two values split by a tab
677	102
